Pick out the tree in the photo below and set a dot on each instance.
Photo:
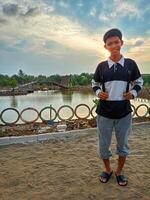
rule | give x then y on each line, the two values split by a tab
20	73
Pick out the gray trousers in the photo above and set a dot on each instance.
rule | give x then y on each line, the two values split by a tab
104	132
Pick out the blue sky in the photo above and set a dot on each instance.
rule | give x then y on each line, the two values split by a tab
65	36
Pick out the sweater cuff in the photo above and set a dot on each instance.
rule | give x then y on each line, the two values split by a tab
134	93
97	92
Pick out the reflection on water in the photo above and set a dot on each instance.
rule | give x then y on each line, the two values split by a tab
13	102
56	98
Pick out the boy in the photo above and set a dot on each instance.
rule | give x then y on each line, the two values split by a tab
115	81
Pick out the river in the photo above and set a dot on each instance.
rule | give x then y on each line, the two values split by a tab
56	98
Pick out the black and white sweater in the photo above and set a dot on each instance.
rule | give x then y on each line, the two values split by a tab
116	78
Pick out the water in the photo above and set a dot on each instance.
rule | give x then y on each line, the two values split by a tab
41	99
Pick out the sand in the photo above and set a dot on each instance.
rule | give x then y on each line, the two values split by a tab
68	170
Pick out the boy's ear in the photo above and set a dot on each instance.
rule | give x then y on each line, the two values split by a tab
122	42
105	46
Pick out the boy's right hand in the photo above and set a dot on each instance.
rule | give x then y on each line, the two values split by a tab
103	95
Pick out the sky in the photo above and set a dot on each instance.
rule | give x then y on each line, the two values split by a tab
66	36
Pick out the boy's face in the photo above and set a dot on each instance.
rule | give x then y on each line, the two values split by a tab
113	45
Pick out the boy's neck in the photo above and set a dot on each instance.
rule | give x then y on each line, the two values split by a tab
115	58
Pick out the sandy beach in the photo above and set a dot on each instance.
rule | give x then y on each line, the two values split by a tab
68	169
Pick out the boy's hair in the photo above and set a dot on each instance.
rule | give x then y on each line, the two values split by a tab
112	32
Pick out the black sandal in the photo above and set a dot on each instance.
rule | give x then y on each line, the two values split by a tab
121	179
106	176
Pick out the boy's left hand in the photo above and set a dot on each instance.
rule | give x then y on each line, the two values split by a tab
128	95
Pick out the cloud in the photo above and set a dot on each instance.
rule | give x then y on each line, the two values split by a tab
36	23
136	41
32	12
63	4
80	3
139	49
139	43
118	8
52	34
21	10
3	21
22	7
93	12
103	17
10	9
125	8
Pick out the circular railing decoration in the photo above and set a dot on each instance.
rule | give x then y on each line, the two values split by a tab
28	109
138	110
61	109
6	122
77	108
92	110
51	111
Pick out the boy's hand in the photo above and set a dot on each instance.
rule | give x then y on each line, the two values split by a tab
103	95
128	95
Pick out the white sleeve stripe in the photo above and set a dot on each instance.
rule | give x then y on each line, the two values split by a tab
138	81
94	83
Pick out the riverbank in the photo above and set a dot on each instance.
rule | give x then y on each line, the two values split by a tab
144	93
39	128
68	169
